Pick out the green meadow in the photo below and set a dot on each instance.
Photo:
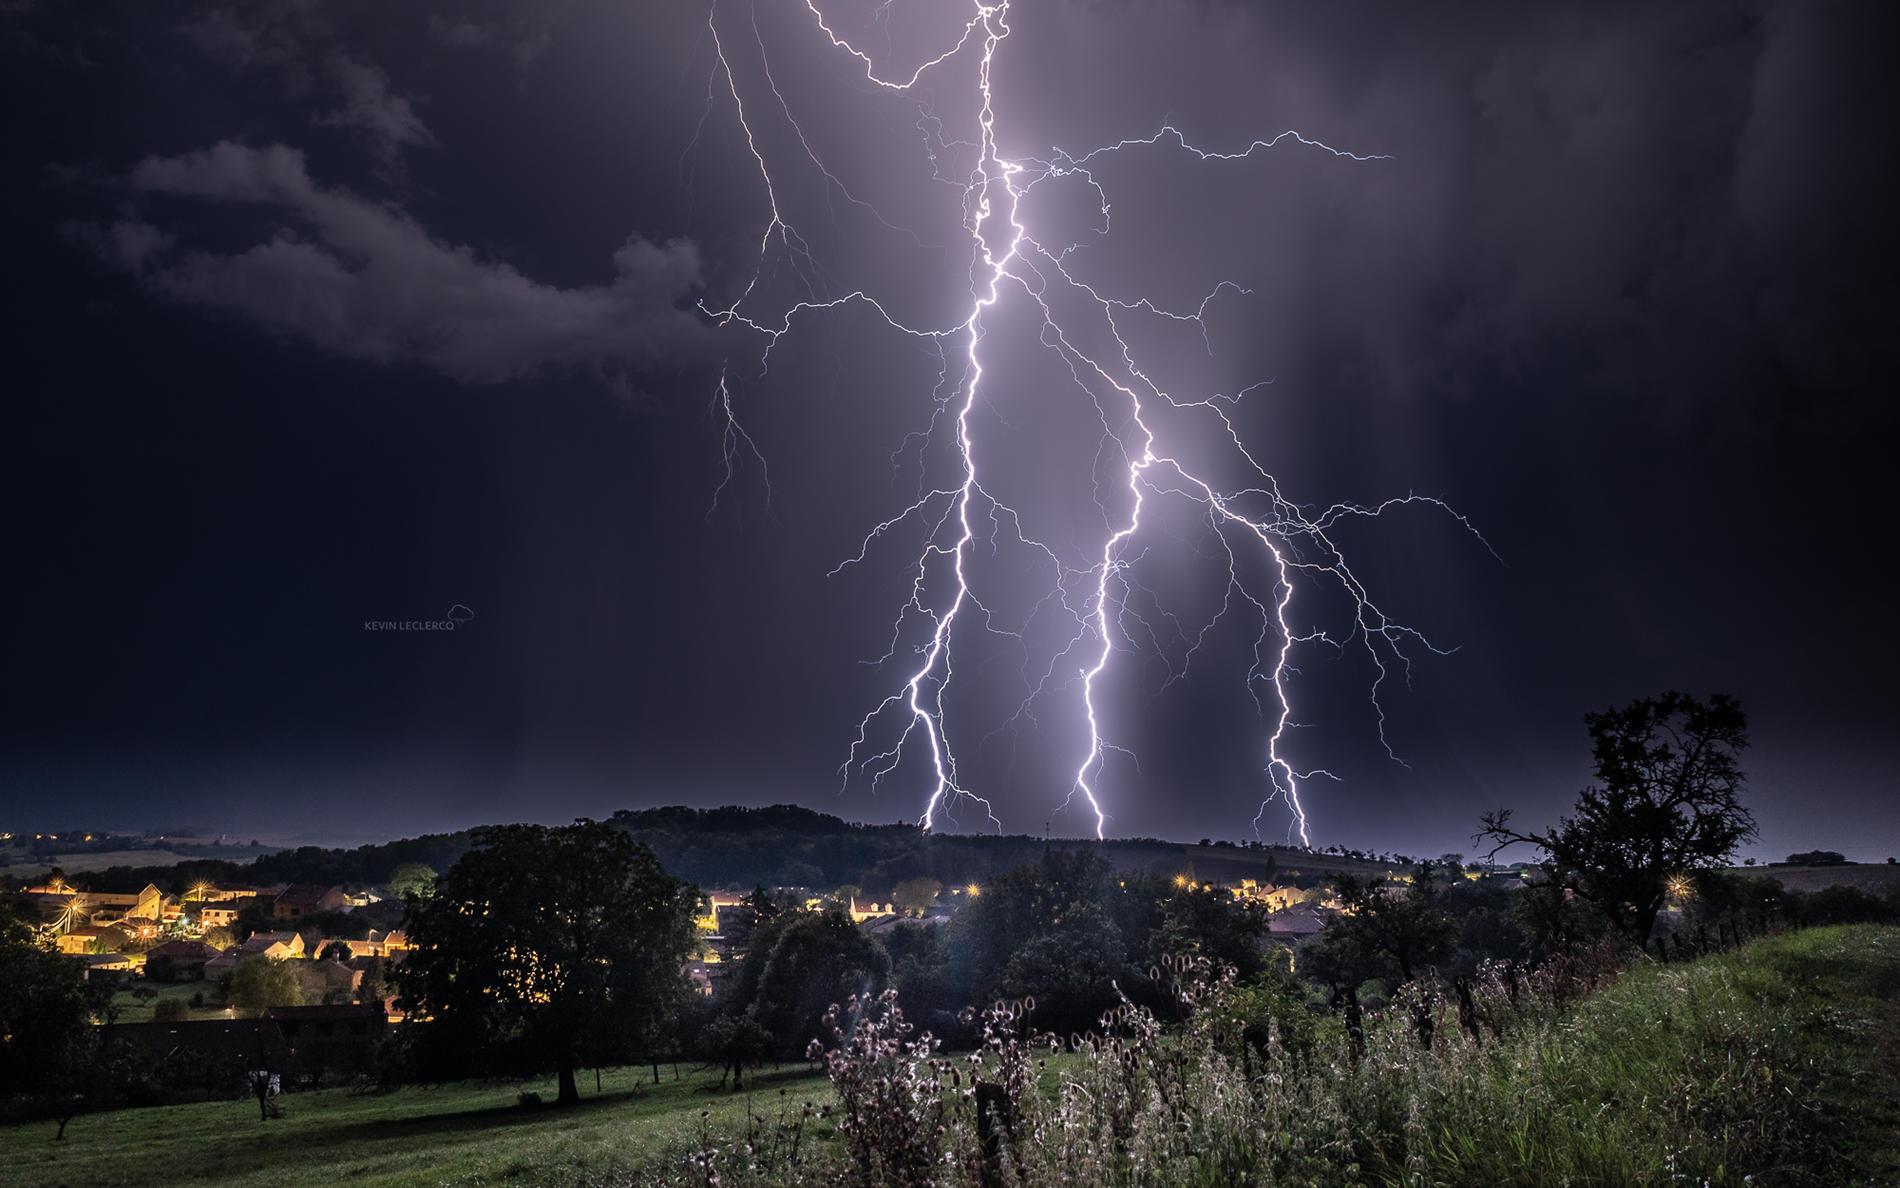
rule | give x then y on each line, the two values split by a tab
462	1134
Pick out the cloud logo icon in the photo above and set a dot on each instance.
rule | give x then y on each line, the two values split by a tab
461	615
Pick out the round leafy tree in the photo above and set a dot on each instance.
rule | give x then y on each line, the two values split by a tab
547	950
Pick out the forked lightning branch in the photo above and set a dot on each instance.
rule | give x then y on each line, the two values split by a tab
1273	549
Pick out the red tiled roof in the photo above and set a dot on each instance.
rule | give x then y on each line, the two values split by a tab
304	893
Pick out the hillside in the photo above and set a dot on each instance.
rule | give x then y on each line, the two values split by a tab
786	845
737	848
1779	1062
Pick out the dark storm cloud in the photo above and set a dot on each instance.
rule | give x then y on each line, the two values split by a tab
295	44
1623	295
359	275
371	283
1688	188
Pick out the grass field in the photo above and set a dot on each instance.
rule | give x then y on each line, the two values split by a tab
465	1134
24	866
132	1010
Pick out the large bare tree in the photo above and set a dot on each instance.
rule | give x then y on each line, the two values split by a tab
1667	802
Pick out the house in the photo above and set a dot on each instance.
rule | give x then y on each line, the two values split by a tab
1294	924
386	944
216	910
307	899
327	981
716	902
362	965
1275	898
58	909
278	946
153	904
179	960
865	909
221	914
112	964
141	927
91	938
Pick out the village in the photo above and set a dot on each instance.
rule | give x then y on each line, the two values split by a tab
1291	914
293	978
331	939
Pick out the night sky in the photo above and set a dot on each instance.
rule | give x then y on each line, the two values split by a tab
327	314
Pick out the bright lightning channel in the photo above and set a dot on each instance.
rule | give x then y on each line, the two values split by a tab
1293	542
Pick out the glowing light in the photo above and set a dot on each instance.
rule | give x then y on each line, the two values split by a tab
1294	544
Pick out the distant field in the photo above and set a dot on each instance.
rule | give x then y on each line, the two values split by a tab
1874	877
70	863
457	1135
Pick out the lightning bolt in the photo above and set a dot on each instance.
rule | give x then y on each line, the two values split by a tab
1295	545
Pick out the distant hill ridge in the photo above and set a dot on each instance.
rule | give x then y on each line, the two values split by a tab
790	845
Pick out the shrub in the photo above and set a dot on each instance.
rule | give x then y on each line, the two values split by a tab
170	1010
1817	858
258	983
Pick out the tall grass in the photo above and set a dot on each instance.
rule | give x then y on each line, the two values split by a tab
1707	1073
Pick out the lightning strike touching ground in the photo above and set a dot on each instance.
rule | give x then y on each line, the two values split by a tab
1268	545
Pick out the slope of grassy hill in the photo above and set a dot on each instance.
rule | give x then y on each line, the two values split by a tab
463	1135
1778	1064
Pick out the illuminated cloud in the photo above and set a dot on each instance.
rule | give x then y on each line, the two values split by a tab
366	280
369	104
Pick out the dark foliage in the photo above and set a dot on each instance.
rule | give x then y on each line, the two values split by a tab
1209	922
1817	858
53	1061
365	865
547	950
1401	925
817	960
1841	905
735	846
920	966
1053	931
1667	803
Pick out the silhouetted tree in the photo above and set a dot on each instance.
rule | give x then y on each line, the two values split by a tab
1667	803
50	1052
817	959
545	949
1818	858
1211	922
1400	923
1063	930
